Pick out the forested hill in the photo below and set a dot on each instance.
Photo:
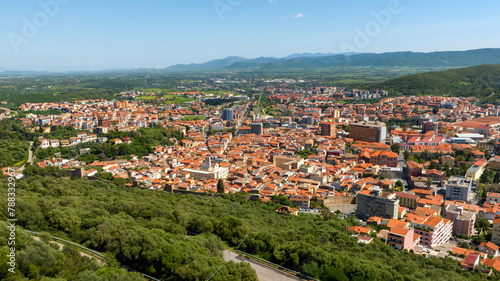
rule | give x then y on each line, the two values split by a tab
481	81
146	230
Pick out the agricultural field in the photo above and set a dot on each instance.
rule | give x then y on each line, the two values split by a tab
193	117
176	99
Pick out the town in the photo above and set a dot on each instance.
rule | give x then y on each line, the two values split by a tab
420	172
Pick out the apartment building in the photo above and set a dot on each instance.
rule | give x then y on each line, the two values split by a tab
328	129
301	201
458	188
376	203
463	221
407	200
433	231
369	131
493	197
495	236
384	158
402	238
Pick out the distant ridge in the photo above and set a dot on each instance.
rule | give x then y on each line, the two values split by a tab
317	62
331	62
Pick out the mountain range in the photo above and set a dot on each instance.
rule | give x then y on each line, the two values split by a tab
327	62
320	62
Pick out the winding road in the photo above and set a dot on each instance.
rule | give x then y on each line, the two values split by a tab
264	272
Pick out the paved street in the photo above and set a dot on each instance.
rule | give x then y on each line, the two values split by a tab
406	176
264	273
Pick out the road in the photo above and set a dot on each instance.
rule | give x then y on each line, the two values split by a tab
264	273
404	170
30	154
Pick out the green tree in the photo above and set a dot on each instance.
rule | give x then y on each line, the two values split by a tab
398	185
220	186
395	147
496	178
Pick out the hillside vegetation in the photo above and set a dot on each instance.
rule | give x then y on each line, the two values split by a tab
481	81
146	230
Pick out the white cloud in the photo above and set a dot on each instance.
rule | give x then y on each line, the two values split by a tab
298	16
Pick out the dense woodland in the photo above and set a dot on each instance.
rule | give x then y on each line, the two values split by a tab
43	260
478	81
13	144
146	230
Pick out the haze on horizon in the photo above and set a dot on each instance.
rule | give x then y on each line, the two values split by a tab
62	35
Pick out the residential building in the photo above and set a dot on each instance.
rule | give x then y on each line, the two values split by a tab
489	249
44	143
384	158
489	213
476	170
495	236
361	229
257	128
407	200
227	114
328	129
470	262
376	203
433	231
54	143
369	131
493	197
463	221
435	175
287	163
458	188
301	201
415	169
402	238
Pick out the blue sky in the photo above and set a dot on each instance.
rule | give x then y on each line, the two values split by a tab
102	34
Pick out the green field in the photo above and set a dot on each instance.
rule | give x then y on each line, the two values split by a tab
177	99
215	93
146	97
193	117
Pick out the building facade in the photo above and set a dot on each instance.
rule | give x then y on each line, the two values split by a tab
495	236
227	114
458	188
402	238
369	131
328	129
433	231
384	158
376	203
257	128
463	221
